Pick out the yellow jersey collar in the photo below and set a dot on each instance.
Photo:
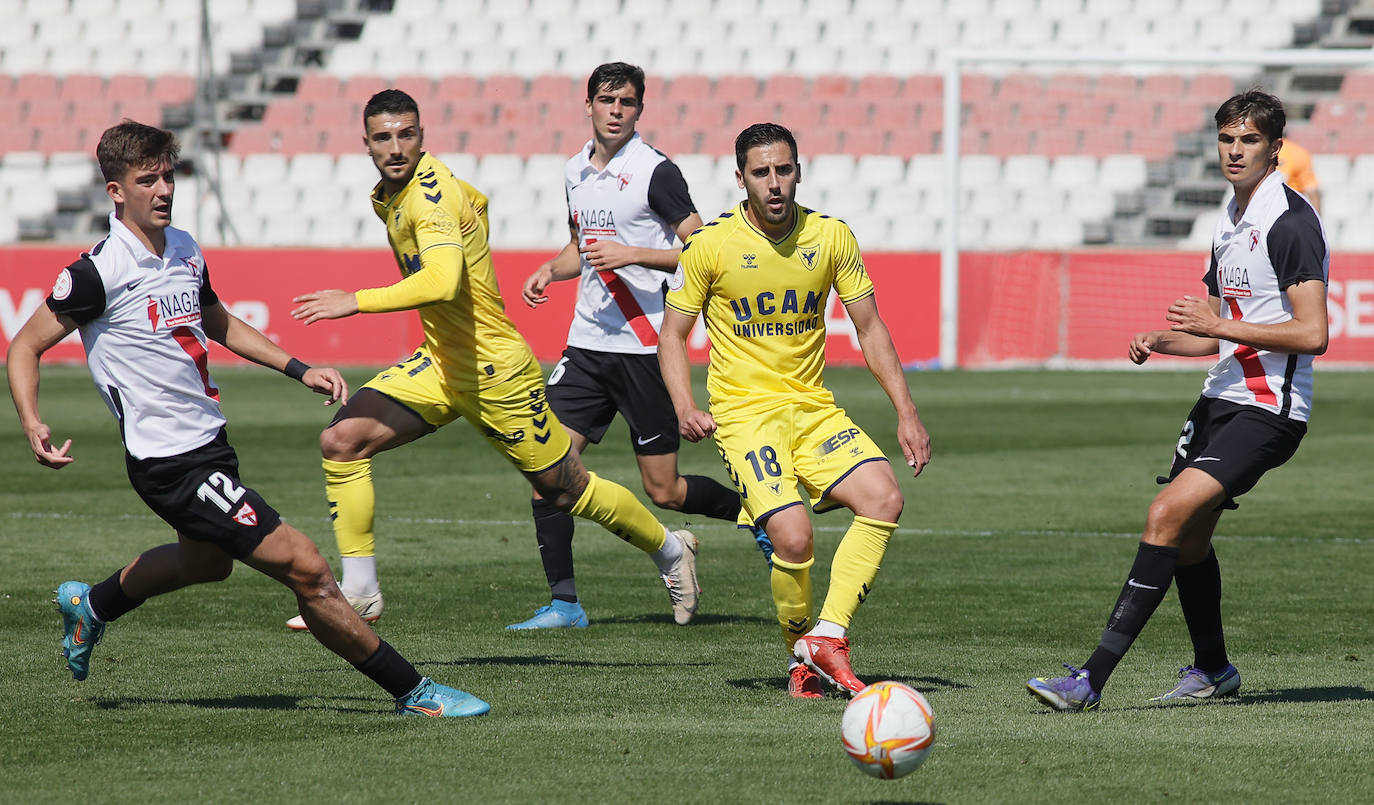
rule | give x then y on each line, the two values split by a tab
796	222
382	206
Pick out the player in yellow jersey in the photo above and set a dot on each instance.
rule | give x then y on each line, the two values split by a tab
472	364
761	273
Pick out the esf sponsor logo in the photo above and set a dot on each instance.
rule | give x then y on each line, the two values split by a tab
768	303
508	438
837	441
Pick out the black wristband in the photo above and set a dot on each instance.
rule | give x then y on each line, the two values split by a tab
295	369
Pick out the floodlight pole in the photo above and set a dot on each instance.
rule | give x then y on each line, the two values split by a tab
955	58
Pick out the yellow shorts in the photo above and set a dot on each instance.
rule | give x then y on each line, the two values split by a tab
512	415
768	454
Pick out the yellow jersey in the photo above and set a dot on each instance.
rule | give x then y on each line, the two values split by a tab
765	303
437	227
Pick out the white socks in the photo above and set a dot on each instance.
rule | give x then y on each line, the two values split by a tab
359	576
668	555
826	629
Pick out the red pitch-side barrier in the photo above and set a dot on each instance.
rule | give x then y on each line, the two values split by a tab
1015	308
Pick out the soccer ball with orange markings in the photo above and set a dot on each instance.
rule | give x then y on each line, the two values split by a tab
888	730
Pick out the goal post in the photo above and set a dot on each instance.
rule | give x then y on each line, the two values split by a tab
959	62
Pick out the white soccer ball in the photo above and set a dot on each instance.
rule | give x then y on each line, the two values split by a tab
888	730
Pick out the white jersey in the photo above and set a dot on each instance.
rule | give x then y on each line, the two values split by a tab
1278	243
139	316
637	200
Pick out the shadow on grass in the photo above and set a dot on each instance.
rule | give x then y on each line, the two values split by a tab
264	702
921	683
540	660
1342	693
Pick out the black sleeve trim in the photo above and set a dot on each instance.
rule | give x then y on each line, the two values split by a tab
208	296
85	302
1297	249
669	197
1210	278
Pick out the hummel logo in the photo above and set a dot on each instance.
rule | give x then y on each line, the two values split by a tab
133	284
642	441
1133	583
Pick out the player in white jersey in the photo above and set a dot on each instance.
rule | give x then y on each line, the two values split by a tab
1265	319
143	302
628	206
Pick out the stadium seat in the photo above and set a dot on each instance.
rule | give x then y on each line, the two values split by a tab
1058	142
419	87
1058	231
1331	169
1074	170
801	113
310	170
736	89
1122	172
1153	145
745	113
1025	170
172	88
534	139
1038	200
72	169
910	142
497	169
860	142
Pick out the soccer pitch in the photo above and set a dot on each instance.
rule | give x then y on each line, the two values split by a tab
1013	546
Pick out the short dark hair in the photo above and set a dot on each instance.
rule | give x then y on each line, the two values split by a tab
613	76
762	134
1259	107
391	102
129	144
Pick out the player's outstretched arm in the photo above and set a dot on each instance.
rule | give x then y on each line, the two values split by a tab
244	340
693	423
881	356
320	305
435	281
39	334
565	266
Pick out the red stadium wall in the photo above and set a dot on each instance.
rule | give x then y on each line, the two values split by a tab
1016	308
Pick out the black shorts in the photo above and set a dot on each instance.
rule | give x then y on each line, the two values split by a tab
587	388
199	494
1235	444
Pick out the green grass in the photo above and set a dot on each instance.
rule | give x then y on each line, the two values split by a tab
1013	546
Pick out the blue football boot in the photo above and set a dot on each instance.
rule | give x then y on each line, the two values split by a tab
555	615
439	701
80	630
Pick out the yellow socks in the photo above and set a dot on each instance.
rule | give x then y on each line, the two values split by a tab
617	510
352	503
791	583
854	567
